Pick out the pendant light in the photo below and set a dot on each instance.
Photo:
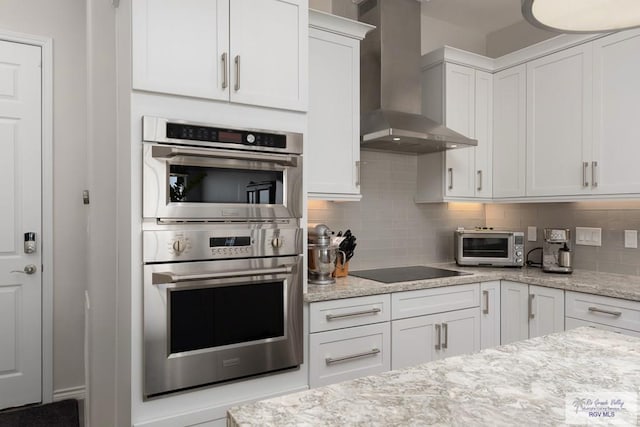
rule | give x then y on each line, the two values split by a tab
582	16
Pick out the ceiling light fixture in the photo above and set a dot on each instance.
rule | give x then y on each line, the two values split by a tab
582	16
396	138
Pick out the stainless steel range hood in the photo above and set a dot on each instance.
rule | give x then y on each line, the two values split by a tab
390	83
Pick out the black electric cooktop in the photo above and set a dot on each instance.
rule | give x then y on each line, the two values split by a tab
406	274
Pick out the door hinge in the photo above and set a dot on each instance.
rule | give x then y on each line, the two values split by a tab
85	197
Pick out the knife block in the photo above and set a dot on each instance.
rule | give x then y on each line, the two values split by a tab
342	270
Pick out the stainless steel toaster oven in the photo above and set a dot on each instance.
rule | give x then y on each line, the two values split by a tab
487	247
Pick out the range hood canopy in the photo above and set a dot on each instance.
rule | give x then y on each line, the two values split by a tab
390	83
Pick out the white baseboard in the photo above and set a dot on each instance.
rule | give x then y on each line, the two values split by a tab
78	393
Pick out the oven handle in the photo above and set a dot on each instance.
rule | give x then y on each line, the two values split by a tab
162	152
168	277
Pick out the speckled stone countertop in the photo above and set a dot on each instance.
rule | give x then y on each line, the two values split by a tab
517	384
591	282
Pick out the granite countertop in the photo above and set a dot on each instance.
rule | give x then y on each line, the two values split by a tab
527	381
591	282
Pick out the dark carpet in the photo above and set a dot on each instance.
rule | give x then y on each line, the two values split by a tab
56	414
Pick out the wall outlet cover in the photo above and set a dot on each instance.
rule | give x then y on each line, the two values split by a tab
532	234
589	236
631	239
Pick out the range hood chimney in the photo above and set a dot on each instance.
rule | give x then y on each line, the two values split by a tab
390	83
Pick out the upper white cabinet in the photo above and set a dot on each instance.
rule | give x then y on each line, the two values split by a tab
461	97
509	132
616	124
334	107
240	51
559	117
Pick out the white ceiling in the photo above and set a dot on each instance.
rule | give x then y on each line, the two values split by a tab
483	16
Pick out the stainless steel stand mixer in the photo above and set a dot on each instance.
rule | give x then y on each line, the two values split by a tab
321	255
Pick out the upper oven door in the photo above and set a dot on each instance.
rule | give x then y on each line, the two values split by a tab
182	182
486	247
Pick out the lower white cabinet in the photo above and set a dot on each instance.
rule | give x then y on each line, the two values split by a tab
489	314
605	312
571	323
425	338
529	311
349	353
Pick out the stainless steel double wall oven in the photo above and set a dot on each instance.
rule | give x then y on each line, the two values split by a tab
222	253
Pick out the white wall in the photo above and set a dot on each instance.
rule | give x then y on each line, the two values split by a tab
514	37
436	33
64	21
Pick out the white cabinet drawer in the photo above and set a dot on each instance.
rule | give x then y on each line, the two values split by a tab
604	310
349	353
572	323
344	313
436	300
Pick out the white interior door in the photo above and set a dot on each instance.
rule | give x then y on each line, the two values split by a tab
20	212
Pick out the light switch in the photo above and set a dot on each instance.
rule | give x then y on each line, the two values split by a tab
532	234
589	236
630	238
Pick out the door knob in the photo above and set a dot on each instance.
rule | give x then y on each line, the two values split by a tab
28	269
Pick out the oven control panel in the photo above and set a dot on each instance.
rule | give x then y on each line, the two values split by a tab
219	243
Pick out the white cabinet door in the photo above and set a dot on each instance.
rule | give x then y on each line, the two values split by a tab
178	47
559	117
460	332
348	353
616	154
484	134
269	53
460	108
490	314
547	311
509	132
334	116
415	340
514	313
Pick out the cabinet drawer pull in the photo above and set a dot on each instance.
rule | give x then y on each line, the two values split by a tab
485	295
450	170
375	310
225	71
438	336
332	360
600	310
531	315
237	62
585	166
445	330
479	180
594	174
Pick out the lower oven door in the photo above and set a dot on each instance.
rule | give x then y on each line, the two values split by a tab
213	321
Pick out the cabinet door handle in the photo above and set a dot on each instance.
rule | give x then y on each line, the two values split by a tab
237	62
358	173
438	336
332	360
374	310
479	180
600	310
585	166
485	295
594	174
450	170
445	330
531	315
225	71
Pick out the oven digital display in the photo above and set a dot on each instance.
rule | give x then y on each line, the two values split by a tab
230	137
229	241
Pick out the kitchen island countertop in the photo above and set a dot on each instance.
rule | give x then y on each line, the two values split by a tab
528	381
591	282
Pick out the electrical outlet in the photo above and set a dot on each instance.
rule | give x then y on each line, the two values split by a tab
532	234
589	236
631	238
